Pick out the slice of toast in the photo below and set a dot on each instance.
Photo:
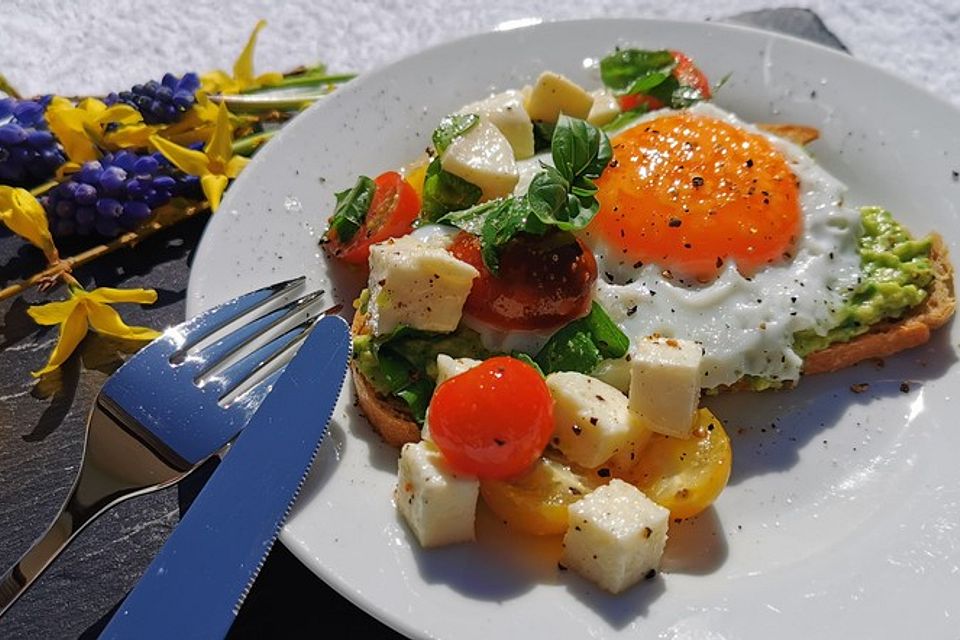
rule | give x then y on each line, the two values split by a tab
392	420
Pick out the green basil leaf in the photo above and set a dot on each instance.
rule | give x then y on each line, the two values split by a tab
451	128
526	359
624	119
610	340
444	192
502	223
351	209
582	344
417	396
684	97
580	150
569	349
624	66
396	371
647	82
471	220
665	90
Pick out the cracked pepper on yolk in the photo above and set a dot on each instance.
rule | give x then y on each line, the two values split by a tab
690	192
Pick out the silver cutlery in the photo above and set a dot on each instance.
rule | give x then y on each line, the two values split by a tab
177	402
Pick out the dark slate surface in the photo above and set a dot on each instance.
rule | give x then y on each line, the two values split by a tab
41	435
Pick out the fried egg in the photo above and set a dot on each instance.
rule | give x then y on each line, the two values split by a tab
712	230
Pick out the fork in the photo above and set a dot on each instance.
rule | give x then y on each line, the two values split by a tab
173	405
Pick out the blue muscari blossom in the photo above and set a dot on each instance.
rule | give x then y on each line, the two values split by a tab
29	153
114	194
161	102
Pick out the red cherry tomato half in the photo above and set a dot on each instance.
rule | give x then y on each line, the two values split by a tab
494	420
687	74
392	211
543	282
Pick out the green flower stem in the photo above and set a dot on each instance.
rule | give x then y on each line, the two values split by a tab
41	189
8	88
247	145
305	80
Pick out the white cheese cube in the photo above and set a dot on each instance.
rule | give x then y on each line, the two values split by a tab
438	505
448	367
616	536
554	94
483	157
505	111
665	384
418	284
604	109
592	420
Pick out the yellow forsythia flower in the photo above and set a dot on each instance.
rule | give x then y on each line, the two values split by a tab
243	78
82	128
84	310
215	165
23	215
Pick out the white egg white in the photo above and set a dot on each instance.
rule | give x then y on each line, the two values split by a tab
746	325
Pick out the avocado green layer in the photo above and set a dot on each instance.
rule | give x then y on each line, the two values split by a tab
896	270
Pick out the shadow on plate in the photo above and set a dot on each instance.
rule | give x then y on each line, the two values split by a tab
768	429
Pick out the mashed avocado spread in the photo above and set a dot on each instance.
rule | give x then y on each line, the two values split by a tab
896	270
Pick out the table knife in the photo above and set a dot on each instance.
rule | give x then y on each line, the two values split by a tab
196	584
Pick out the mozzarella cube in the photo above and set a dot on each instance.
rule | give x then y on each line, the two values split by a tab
554	94
417	284
665	384
438	504
604	109
616	536
505	111
448	367
592	420
483	157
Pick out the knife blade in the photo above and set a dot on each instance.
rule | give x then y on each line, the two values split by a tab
197	582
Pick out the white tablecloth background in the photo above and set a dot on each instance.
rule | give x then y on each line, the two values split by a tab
76	48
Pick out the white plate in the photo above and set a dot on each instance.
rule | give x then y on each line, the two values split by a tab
839	521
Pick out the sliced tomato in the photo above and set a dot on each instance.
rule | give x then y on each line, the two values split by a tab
543	282
494	420
393	209
537	500
687	74
685	475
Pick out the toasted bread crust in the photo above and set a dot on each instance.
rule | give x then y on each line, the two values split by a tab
388	416
795	133
890	337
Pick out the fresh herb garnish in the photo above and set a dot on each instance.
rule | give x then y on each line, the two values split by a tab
444	192
451	128
626	67
351	209
403	363
625	118
651	73
559	197
582	344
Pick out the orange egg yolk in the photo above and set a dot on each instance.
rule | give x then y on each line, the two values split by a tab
689	192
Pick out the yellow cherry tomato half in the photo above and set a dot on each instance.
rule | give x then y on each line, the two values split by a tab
685	475
536	501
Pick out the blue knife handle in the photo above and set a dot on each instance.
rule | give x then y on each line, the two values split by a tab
195	585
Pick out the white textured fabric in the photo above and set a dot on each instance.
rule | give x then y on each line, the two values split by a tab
75	47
